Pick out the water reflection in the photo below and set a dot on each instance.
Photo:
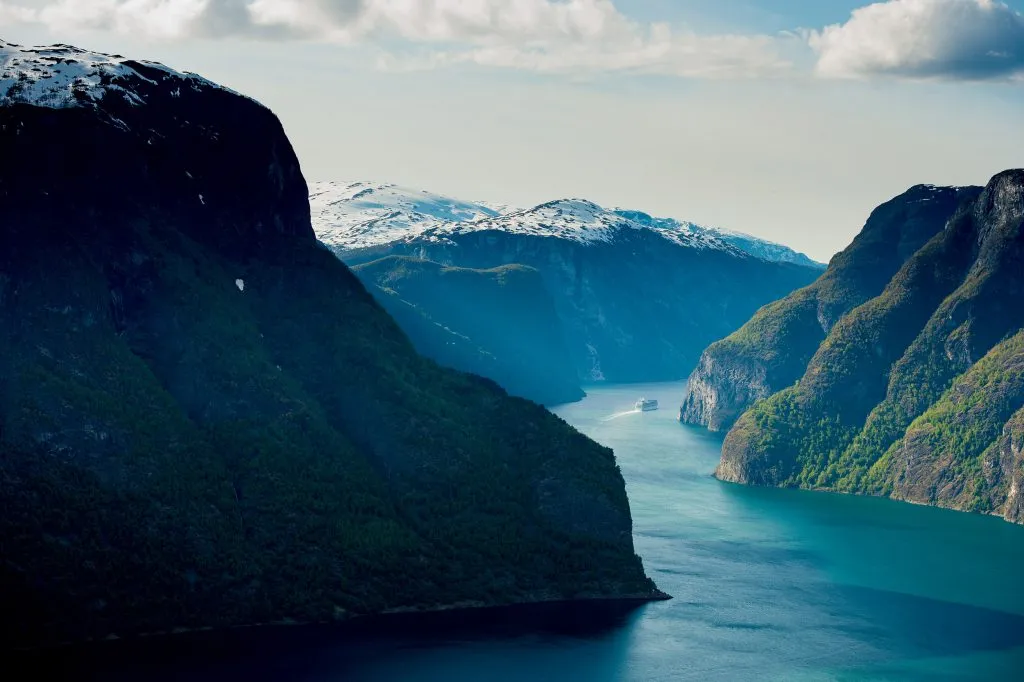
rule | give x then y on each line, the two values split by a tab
402	647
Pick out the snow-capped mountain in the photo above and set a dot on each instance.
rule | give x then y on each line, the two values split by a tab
359	215
354	215
755	246
63	76
637	297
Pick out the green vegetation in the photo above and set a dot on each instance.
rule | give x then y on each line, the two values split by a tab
773	349
206	420
911	392
960	429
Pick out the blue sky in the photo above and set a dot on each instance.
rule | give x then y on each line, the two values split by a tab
744	15
787	119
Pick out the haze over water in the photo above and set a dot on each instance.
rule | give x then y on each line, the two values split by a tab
768	585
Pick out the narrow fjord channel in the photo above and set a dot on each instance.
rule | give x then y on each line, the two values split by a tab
768	585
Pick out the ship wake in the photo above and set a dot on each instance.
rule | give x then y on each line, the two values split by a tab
620	414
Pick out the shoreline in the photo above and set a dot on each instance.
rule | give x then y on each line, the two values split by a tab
354	627
846	493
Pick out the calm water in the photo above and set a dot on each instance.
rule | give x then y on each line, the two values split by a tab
768	585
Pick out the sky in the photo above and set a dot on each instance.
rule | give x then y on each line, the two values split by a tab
786	119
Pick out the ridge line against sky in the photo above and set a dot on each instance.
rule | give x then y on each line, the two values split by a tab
780	118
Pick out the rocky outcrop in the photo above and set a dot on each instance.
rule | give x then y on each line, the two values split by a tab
207	421
1007	462
913	393
721	387
772	350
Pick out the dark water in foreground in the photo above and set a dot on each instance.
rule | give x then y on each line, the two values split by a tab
768	585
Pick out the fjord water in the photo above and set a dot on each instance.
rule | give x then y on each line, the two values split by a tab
768	585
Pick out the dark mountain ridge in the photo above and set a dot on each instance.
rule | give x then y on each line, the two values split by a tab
206	420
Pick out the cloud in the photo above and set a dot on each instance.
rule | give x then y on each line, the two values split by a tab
930	39
556	36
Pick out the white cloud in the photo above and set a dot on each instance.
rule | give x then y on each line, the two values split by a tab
658	52
156	18
539	35
953	39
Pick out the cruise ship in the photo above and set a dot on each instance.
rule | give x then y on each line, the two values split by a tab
645	405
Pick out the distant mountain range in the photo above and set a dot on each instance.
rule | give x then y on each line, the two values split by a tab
900	372
357	215
637	297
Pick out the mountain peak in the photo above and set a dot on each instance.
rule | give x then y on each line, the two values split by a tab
63	76
1005	192
359	215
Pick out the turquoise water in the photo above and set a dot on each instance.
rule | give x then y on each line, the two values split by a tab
768	585
794	585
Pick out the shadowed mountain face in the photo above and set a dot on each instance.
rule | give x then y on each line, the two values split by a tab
634	305
917	392
206	420
498	323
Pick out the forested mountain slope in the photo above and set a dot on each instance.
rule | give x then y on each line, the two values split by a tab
771	351
915	393
206	420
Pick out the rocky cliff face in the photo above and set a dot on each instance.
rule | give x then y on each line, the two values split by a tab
499	323
913	393
772	350
206	421
1007	457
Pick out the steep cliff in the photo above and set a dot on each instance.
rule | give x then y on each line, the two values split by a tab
206	420
772	350
913	393
498	323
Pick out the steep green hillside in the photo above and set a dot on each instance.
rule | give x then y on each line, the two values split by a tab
772	350
498	323
206	420
950	454
910	392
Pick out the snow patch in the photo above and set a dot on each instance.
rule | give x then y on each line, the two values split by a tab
353	215
63	76
356	215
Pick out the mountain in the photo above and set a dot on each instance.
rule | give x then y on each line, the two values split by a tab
756	247
771	351
498	323
207	421
351	216
638	298
918	392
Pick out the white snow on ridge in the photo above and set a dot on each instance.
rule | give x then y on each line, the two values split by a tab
352	215
62	76
356	215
